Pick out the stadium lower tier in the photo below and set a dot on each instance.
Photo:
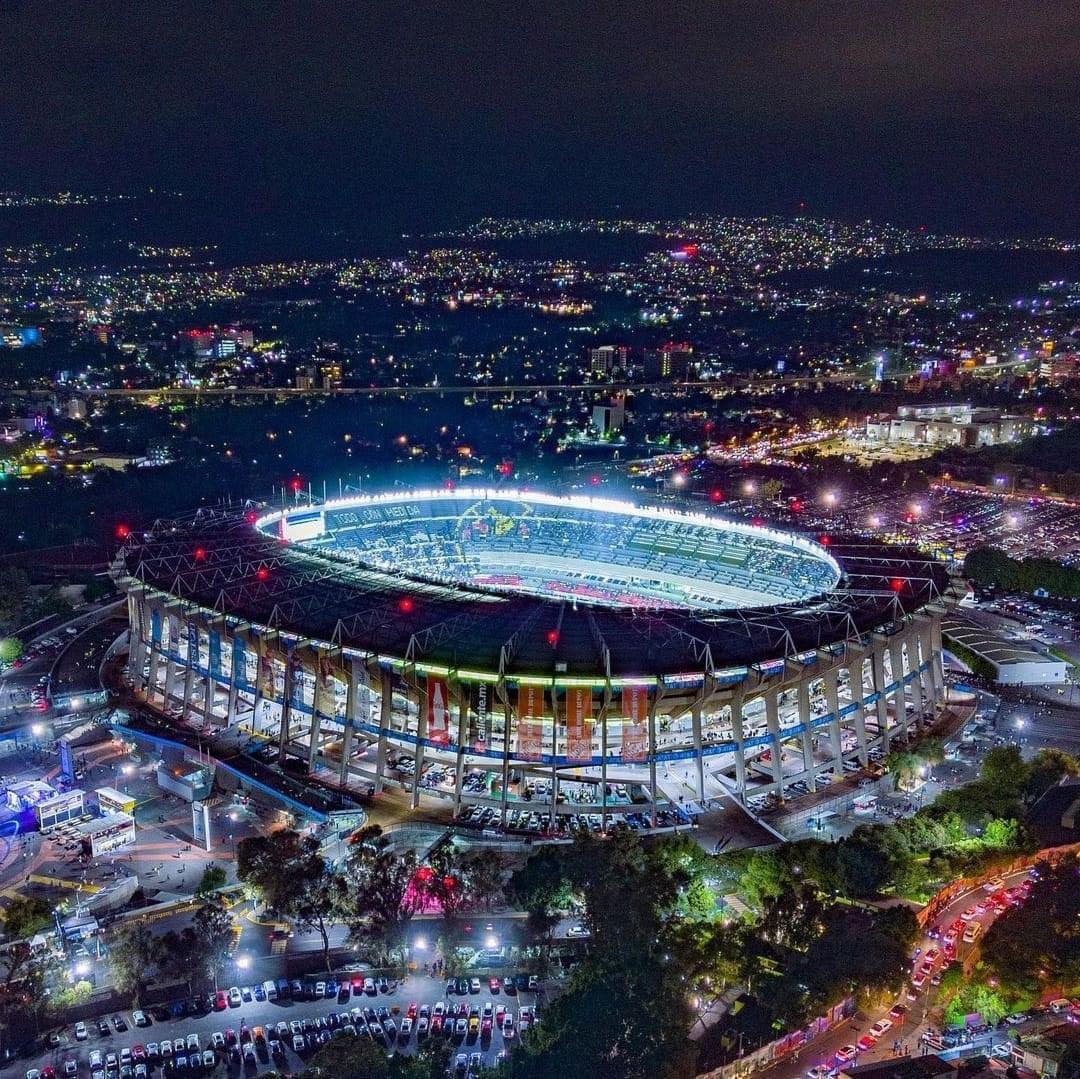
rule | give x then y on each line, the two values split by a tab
471	738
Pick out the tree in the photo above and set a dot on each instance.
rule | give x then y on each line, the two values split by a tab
26	915
132	955
10	649
377	903
484	873
904	767
213	926
213	878
177	955
291	876
1038	944
1047	768
348	1057
595	1027
14	594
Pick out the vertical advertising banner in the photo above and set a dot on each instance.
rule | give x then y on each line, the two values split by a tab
215	654
192	645
530	707
324	686
362	695
479	718
239	662
579	724
265	674
438	711
172	625
296	687
155	627
635	708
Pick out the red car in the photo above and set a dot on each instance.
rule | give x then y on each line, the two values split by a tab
494	984
221	1000
866	1042
413	1009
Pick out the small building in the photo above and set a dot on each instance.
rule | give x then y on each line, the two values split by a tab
105	834
60	809
1052	1052
28	793
1010	663
112	801
189	782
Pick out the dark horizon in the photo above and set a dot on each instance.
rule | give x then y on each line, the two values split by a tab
959	118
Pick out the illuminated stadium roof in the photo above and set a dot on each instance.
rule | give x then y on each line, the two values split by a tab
533	583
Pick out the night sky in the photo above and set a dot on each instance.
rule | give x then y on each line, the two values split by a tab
396	115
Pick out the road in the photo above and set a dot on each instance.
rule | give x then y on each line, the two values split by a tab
420	988
907	1033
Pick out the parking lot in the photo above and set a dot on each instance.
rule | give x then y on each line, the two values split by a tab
240	1031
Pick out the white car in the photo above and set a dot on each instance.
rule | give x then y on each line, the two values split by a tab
217	1040
139	1019
208	1058
235	999
95	1058
165	1048
880	1027
508	1027
80	1032
193	1043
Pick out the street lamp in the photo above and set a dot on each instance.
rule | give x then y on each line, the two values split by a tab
491	941
243	961
37	729
420	944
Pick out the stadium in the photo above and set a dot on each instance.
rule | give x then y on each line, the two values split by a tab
517	654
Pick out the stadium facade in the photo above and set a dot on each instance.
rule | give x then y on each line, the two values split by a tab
488	646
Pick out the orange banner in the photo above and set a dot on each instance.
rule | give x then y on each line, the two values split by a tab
530	737
438	702
579	700
635	739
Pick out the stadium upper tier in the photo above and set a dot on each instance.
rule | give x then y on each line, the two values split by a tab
621	557
526	582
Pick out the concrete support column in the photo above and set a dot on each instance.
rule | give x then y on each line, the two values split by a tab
156	659
738	738
917	681
231	708
286	708
173	663
136	639
352	691
699	764
831	678
896	659
932	658
652	756
386	717
937	659
421	734
190	669
858	714
772	720
462	735
315	733
877	669
508	734
802	694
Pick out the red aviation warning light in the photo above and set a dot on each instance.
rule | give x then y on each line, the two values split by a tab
200	554
898	584
122	532
295	484
553	637
405	605
716	495
262	574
